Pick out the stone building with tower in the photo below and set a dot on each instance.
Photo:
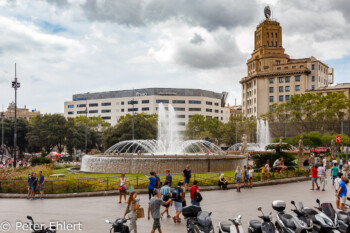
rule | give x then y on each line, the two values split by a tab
273	77
24	113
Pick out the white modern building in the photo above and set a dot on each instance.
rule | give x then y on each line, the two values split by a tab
114	104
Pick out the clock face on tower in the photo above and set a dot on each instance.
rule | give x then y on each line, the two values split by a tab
267	12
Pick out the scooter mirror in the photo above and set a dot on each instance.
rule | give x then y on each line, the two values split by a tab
239	217
293	203
107	221
259	208
318	201
30	218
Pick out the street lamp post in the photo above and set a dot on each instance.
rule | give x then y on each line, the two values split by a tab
132	120
86	128
15	85
2	135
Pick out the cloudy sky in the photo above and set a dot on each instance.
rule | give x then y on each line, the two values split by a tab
63	47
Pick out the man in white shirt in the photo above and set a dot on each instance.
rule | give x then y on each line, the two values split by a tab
337	181
321	173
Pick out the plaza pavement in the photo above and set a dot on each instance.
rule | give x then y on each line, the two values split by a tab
92	211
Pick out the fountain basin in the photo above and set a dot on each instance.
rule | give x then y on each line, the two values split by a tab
133	164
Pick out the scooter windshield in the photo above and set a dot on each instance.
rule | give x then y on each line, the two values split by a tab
328	209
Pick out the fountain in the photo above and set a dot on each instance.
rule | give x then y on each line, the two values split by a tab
169	151
262	136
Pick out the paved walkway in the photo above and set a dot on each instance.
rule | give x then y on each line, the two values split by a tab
92	211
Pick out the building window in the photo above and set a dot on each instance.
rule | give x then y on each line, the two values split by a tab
145	101
313	67
179	101
162	101
133	102
281	79
216	111
278	62
276	43
271	80
208	103
145	109
179	109
106	104
180	116
194	109
297	87
71	106
280	89
287	88
106	118
267	35
105	110
267	43
271	89
93	111
209	110
133	109
216	104
122	110
287	97
194	102
297	78
81	112
280	98
287	79
271	98
122	102
81	105
181	123
70	113
313	78
271	43
93	105
313	87
276	34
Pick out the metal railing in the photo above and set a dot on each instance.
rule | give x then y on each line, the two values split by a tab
135	181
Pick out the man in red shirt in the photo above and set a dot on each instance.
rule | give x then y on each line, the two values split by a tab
314	177
193	191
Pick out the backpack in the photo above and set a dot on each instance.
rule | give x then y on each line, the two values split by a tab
198	197
305	163
175	194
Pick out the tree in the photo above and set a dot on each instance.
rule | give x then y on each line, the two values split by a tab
22	129
145	127
95	123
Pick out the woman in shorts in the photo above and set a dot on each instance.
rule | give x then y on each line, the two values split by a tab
238	178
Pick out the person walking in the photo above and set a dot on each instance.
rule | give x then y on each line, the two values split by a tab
122	188
176	196
307	166
34	186
238	178
194	191
334	172
342	192
314	177
337	182
152	184
321	174
165	191
154	210
187	176
340	164
42	181
250	176
132	207
169	177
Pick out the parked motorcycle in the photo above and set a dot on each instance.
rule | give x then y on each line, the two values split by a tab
286	223
321	222
231	226
266	226
198	221
37	229
118	226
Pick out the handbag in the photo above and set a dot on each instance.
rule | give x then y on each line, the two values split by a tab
140	213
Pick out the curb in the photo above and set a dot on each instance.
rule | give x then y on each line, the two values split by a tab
144	191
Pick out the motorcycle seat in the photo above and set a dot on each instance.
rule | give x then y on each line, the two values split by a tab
344	216
225	226
255	224
287	220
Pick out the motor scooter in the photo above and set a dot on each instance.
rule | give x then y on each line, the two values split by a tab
39	228
231	226
118	226
266	226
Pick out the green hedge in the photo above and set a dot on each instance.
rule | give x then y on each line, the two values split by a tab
39	161
260	159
